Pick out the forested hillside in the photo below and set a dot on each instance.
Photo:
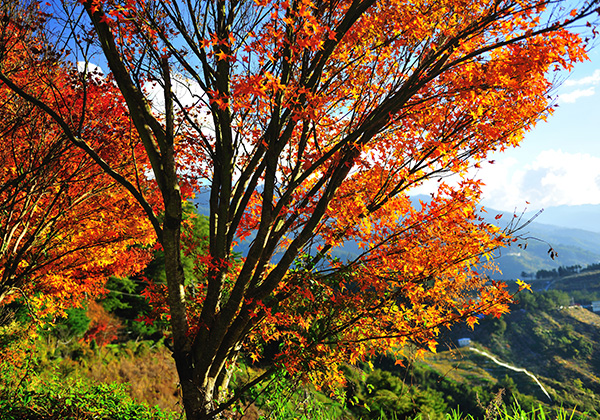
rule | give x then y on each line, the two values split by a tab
553	341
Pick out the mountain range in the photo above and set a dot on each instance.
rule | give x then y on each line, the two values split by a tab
559	236
570	234
584	217
556	236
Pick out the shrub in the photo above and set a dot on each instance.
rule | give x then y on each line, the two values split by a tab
78	401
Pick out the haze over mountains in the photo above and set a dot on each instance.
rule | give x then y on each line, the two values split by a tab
573	233
585	217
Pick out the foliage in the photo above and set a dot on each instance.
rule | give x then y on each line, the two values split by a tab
193	256
590	267
556	343
44	377
545	301
125	301
420	394
286	399
390	397
64	224
397	392
517	413
74	325
564	341
310	122
77	402
146	368
104	328
406	393
88	323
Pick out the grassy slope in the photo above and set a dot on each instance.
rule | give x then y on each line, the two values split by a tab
559	346
587	281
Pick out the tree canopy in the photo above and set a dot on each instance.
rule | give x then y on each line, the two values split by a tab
64	224
308	123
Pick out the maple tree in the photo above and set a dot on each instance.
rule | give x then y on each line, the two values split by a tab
64	224
309	122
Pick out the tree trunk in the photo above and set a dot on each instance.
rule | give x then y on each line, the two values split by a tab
197	400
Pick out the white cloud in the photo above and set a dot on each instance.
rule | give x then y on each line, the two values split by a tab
90	67
586	88
572	97
594	79
188	92
553	178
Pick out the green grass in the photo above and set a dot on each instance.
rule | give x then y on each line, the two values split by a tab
77	402
517	413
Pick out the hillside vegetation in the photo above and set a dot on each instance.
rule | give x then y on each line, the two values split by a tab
101	357
556	343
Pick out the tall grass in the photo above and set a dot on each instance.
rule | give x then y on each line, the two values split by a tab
281	400
517	413
40	380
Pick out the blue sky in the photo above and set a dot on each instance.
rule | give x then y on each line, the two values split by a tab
558	163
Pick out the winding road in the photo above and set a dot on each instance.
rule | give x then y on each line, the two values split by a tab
516	369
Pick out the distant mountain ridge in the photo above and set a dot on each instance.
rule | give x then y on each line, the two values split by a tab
585	216
575	238
572	246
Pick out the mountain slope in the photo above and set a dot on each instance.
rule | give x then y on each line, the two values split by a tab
571	246
559	345
531	253
583	217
